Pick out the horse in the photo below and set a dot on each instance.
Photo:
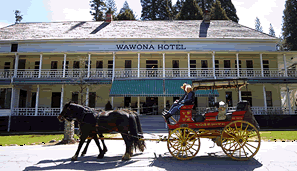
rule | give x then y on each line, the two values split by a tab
92	122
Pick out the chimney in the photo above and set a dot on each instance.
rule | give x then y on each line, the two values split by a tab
206	17
108	17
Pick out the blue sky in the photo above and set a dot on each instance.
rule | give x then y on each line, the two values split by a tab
78	10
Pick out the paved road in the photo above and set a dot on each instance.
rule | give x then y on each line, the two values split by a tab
276	156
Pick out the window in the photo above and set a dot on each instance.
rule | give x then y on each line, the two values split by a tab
99	64
211	101
76	64
67	65
269	98
229	99
74	98
204	64
92	99
127	101
227	64
5	98
7	65
56	99
217	64
193	68
152	66
23	99
247	96
110	67
14	47
54	65
239	61
37	63
33	100
266	68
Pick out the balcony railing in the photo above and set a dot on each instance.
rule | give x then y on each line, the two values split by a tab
154	110
150	73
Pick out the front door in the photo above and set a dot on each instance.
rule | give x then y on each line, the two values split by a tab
152	68
175	66
227	67
54	67
204	67
127	68
21	67
56	99
152	103
23	99
249	66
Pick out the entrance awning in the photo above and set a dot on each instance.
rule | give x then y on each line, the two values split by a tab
172	88
134	88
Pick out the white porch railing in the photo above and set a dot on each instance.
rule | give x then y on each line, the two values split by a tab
148	73
31	112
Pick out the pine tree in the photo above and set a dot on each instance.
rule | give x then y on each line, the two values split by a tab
217	12
98	8
156	9
190	11
18	16
177	7
111	7
290	25
271	31
205	4
125	13
258	26
228	6
165	10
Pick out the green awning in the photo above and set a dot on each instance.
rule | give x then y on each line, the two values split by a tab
172	88
134	88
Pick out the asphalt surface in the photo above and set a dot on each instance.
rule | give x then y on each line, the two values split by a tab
276	156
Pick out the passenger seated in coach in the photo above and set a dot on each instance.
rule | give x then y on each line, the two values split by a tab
187	99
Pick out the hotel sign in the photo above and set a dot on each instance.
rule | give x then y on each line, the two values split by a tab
150	47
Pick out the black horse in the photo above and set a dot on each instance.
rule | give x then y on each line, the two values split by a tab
105	122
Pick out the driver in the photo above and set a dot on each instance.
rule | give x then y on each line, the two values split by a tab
187	99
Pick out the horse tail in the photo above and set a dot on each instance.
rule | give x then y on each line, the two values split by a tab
138	124
137	141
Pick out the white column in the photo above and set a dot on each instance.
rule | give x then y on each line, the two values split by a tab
213	64
264	97
189	64
285	65
164	102
288	99
239	95
237	62
89	65
216	99
163	65
113	65
62	98
138	105
64	67
16	64
112	102
138	66
11	107
40	66
261	63
37	100
87	97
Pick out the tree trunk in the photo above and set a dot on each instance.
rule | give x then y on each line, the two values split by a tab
68	133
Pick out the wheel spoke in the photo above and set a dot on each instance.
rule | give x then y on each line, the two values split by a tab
244	151
248	149
251	145
234	149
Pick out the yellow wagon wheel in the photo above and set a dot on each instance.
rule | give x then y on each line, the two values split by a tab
240	140
183	143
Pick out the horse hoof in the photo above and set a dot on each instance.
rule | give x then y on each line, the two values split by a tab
105	150
126	157
83	154
100	156
74	158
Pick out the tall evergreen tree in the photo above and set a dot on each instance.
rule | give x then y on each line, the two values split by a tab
290	25
125	7
190	11
258	26
228	6
18	16
156	9
271	31
205	4
217	12
165	10
177	7
111	7
98	8
125	13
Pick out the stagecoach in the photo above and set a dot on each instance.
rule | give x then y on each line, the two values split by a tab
236	132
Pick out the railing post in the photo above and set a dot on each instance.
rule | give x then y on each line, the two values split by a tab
89	65
163	65
261	63
189	65
37	100
138	66
113	65
64	67
213	65
237	62
40	66
285	65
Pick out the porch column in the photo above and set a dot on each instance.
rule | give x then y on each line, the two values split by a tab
237	62
11	107
138	105
40	66
37	100
87	97
215	98
239	95
213	65
285	65
264	97
16	64
138	66
261	63
112	102
189	64
62	98
64	67
89	65
288	99
164	102
163	65
113	65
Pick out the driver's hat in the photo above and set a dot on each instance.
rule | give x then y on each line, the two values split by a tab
184	86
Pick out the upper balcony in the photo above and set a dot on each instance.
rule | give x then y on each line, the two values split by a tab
149	73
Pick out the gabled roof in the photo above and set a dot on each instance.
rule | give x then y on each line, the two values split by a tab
176	29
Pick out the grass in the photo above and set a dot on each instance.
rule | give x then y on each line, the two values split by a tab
36	139
278	135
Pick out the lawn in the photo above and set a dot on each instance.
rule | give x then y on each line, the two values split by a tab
278	135
36	139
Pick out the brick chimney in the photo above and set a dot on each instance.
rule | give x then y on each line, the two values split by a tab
108	17
206	17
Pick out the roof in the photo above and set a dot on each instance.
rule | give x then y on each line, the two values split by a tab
175	29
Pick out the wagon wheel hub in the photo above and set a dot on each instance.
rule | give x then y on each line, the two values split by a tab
184	144
240	140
